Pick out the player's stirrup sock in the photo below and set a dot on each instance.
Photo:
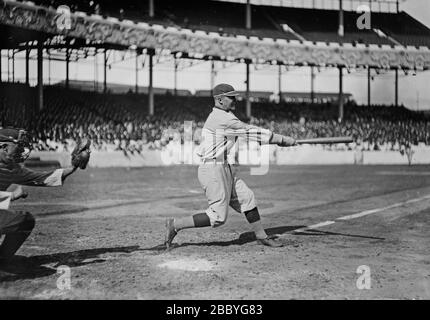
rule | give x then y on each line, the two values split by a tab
253	218
198	220
13	240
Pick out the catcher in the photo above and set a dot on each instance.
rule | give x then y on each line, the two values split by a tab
15	147
220	184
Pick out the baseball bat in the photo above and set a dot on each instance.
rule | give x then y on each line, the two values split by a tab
325	140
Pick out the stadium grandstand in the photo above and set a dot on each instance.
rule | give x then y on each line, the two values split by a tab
120	117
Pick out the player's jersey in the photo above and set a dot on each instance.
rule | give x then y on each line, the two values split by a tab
220	133
21	175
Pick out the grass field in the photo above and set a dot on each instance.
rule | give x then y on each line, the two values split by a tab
107	225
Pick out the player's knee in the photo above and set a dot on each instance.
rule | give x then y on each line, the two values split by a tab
220	219
223	198
219	222
28	222
249	202
217	215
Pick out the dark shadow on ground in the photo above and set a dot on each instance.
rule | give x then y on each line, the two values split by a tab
20	267
244	238
248	237
311	232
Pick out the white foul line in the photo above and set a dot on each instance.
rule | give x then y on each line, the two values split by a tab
362	213
367	212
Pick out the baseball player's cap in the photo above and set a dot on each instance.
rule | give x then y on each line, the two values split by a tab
224	89
9	134
21	138
14	135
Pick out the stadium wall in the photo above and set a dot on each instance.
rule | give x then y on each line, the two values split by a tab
279	156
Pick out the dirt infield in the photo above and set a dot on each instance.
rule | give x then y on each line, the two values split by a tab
107	225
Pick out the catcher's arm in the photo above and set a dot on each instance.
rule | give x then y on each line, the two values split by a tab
67	172
17	192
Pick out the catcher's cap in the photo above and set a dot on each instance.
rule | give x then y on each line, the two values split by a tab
21	138
224	89
12	135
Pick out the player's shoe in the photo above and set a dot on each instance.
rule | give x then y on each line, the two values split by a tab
170	232
271	242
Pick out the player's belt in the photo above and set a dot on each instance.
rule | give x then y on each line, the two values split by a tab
215	161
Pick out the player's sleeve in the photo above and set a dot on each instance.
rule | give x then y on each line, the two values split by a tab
5	199
240	129
39	179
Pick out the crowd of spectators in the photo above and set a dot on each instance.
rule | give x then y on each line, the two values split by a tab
372	128
120	122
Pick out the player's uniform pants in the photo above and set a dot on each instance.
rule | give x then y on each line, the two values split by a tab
224	189
17	226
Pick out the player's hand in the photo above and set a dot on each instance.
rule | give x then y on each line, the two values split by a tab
282	141
17	192
288	141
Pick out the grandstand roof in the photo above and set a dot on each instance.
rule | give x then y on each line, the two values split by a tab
298	36
13	36
228	18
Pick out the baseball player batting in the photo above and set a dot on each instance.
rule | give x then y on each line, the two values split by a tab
15	147
221	186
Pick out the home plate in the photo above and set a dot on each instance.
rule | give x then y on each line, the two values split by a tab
188	265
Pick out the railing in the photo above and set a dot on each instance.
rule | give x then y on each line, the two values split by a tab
348	5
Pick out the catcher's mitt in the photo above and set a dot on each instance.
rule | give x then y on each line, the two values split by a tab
81	154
